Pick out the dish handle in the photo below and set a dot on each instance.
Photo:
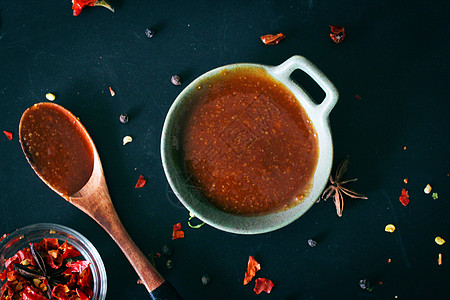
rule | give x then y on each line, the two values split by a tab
298	62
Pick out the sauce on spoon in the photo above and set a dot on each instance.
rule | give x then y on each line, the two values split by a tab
56	147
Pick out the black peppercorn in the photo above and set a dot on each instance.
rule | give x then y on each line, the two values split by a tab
123	118
176	80
169	264
149	32
312	243
206	279
166	250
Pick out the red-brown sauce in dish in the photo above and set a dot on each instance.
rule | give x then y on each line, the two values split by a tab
248	144
56	147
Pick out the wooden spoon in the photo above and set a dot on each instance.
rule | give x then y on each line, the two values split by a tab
63	155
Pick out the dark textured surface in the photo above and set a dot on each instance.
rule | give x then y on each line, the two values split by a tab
395	56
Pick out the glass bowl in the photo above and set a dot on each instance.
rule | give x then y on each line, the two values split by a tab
22	237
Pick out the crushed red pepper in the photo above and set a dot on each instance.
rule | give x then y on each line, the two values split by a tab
177	233
404	198
8	134
23	268
337	34
272	39
252	267
141	182
263	285
79	5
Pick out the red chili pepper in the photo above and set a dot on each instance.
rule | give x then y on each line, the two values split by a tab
404	198
8	134
272	39
252	267
263	285
141	182
78	5
177	233
29	294
337	34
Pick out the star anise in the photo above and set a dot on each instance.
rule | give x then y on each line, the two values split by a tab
336	189
41	273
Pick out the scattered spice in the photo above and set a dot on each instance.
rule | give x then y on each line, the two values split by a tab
149	32
427	189
169	264
405	180
141	182
435	196
272	39
166	250
175	79
439	240
389	228
337	34
252	267
366	284
8	134
191	216
47	270
440	259
404	197
50	97
206	279
79	5
177	233
127	139
336	189
263	285
389	261
312	243
404	148
112	92
124	118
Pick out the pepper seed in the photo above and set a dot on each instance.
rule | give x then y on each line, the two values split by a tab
312	243
206	279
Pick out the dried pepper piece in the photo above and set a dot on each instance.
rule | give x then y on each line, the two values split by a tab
272	39
427	189
337	34
177	233
79	5
8	134
435	196
440	241
252	267
111	91
30	275
141	182
263	285
440	259
404	198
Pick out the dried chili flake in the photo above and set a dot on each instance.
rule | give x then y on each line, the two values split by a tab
358	97
337	34
435	196
427	189
3	236
440	259
30	294
177	233
404	198
440	241
79	5
405	180
8	134
141	182
272	39
252	267
263	285
389	228
112	92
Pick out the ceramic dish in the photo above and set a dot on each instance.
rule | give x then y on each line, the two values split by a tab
194	200
35	233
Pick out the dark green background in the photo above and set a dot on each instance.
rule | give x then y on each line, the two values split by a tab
395	56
